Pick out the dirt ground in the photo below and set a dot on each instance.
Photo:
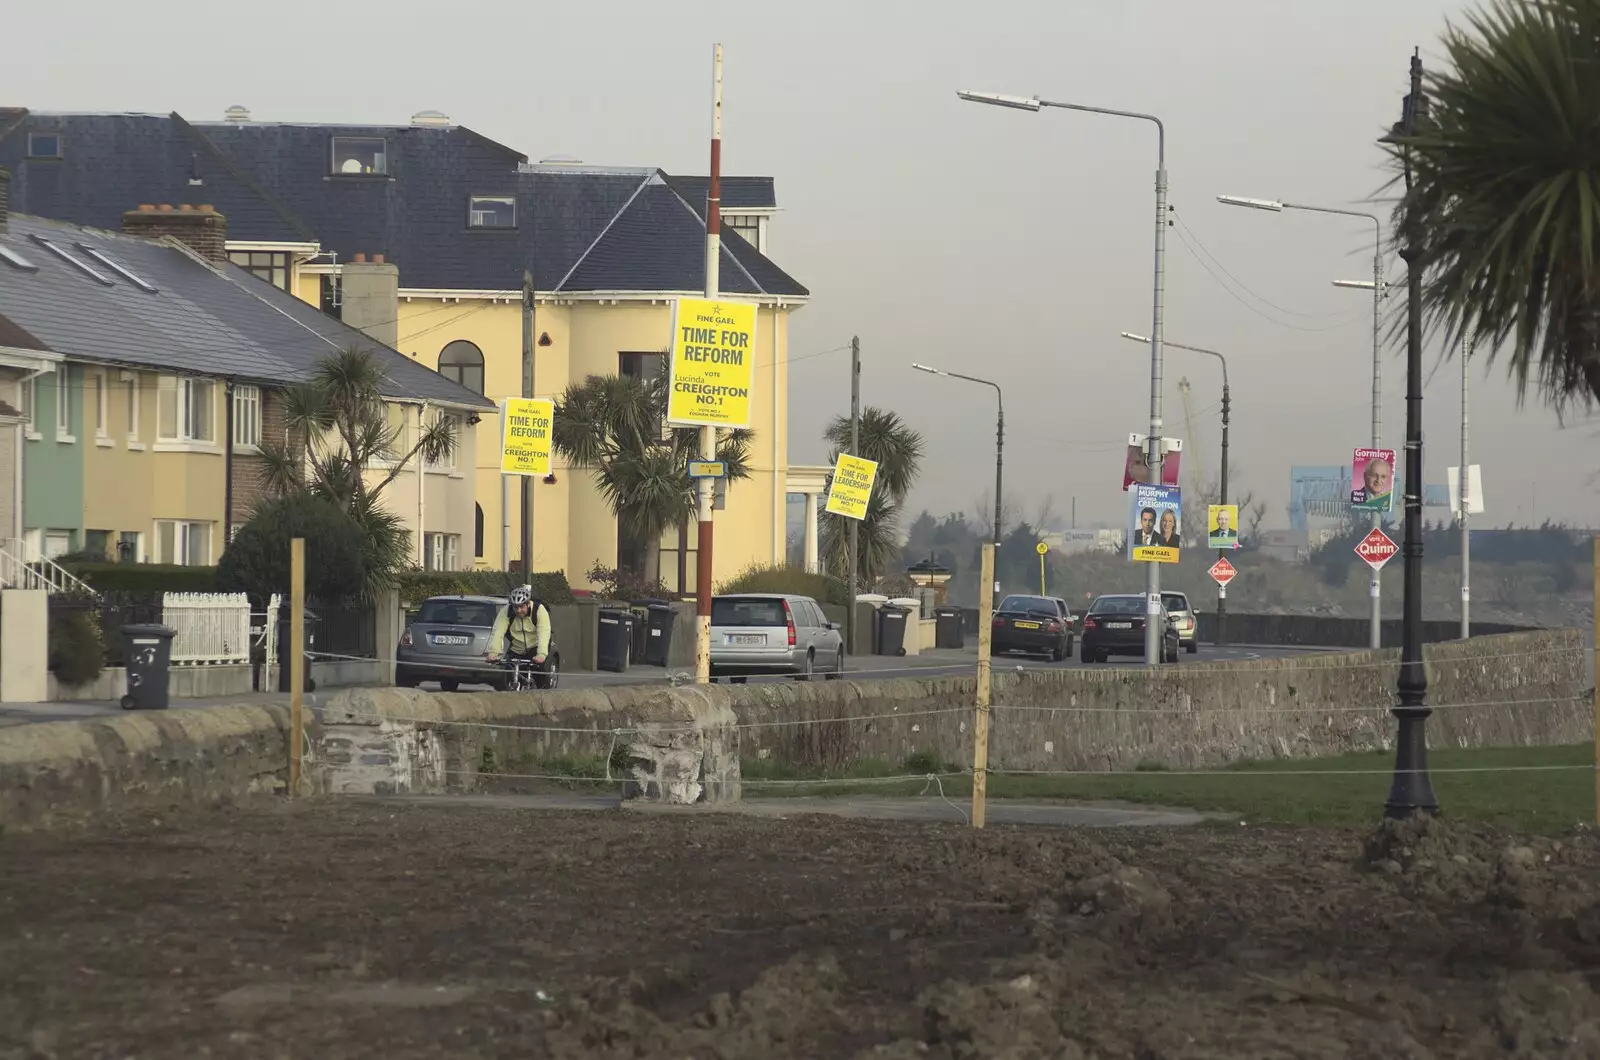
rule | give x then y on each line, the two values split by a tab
400	930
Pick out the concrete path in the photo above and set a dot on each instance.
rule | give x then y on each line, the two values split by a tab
873	807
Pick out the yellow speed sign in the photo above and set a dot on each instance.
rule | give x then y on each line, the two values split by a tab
852	486
1041	548
713	363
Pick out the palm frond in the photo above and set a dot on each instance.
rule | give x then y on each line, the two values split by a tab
1504	191
888	440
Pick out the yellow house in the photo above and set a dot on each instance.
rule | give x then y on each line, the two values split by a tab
145	442
325	211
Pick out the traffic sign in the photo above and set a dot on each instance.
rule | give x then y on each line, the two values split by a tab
1376	549
1041	548
1222	572
708	469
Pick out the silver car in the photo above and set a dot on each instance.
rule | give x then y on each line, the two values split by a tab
1183	616
446	643
769	633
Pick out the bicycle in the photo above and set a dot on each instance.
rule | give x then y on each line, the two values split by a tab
524	675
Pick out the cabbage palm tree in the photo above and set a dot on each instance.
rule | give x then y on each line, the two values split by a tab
611	426
897	449
1504	186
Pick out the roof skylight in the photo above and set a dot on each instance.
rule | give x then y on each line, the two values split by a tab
15	260
126	274
84	267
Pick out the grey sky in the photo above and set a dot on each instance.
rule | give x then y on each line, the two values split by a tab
1007	244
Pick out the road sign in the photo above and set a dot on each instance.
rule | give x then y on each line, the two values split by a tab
1041	548
708	469
1376	549
1222	572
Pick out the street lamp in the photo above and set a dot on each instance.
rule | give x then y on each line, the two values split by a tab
1227	401
1152	630
1375	583
999	438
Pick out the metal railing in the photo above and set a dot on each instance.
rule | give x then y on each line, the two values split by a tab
24	567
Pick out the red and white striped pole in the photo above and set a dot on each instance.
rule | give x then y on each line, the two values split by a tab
708	435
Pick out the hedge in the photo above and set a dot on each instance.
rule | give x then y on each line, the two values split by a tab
145	579
417	585
790	580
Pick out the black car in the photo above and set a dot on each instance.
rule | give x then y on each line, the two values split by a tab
1037	625
1115	625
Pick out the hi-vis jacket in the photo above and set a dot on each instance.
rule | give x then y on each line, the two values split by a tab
529	634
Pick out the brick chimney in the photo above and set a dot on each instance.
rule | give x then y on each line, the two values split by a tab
200	228
5	196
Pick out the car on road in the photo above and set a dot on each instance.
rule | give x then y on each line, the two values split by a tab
773	633
448	640
1034	625
1185	618
1115	625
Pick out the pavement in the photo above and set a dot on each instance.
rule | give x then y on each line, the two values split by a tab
860	807
936	663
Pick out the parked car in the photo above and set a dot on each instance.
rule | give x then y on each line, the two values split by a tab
1184	616
769	633
1115	625
447	642
1035	625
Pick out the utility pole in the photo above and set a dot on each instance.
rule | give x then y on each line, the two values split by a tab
705	487
999	478
1464	492
1412	790
855	450
527	392
1222	590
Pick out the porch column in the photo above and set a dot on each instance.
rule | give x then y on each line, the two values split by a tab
812	566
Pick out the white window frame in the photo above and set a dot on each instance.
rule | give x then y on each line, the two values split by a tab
476	217
28	395
64	406
441	551
131	381
447	466
181	529
246	417
178	392
102	410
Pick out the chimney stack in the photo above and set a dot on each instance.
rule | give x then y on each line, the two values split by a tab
370	296
5	196
200	228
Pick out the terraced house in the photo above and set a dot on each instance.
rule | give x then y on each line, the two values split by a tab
445	222
161	367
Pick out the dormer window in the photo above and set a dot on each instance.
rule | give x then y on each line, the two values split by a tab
44	145
360	156
492	211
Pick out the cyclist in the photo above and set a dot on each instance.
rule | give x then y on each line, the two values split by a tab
522	630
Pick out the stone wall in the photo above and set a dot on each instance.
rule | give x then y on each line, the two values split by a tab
1525	688
58	772
1325	631
674	744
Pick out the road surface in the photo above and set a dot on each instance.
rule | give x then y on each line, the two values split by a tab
938	663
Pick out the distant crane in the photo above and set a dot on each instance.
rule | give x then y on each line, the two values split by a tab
1196	475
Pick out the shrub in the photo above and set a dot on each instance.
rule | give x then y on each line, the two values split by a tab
257	560
791	580
417	585
145	579
76	648
616	584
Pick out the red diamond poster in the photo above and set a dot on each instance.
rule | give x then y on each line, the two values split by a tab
1376	549
1222	572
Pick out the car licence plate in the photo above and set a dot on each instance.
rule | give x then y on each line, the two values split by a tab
1119	625
747	638
448	639
1026	625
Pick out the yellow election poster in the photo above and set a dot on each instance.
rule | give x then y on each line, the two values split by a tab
713	363
525	441
852	486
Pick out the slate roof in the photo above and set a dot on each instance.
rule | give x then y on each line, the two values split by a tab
198	320
273	183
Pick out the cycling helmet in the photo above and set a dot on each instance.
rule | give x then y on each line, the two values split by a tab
521	597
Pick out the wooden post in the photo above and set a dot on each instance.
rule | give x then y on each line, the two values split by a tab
980	725
1595	660
297	660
